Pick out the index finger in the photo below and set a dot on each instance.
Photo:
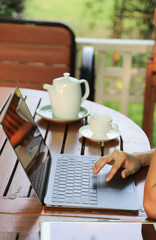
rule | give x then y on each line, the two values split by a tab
113	171
102	161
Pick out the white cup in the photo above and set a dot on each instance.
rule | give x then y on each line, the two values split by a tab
100	124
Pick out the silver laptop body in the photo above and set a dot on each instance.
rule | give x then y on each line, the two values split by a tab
62	180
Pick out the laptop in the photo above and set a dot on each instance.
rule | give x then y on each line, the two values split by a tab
62	180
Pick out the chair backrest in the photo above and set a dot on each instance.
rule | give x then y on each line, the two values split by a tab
35	52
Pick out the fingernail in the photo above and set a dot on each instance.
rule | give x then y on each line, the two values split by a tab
107	179
94	170
124	175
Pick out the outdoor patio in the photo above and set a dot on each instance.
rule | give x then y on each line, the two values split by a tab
123	83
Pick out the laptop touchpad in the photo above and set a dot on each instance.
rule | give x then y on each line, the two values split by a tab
117	183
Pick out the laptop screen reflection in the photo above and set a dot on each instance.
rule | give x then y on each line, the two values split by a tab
26	140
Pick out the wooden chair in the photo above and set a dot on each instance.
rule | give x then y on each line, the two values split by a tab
150	95
149	100
35	52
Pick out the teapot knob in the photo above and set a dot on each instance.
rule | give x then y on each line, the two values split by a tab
66	75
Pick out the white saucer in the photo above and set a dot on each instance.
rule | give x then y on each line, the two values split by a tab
85	131
46	113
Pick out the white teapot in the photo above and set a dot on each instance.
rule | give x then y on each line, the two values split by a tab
66	97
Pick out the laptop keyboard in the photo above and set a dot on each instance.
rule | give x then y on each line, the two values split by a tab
74	181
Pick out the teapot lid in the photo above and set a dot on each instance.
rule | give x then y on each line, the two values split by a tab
66	75
66	78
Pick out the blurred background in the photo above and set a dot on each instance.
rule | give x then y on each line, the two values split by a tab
102	19
90	18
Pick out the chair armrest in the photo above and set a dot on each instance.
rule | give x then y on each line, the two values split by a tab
87	70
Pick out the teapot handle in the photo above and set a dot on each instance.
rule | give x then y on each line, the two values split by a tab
87	90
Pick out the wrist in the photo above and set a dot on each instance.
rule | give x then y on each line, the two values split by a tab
144	157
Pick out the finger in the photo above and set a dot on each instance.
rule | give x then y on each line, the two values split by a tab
116	166
101	163
128	171
98	162
109	159
124	173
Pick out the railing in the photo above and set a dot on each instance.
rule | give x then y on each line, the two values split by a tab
124	83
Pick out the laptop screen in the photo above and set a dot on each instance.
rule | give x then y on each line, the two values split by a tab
26	140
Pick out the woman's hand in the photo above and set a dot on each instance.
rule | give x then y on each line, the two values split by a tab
118	159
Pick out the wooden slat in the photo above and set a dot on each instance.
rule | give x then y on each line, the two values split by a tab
91	149
19	223
2	139
55	137
21	84
34	93
20	184
73	145
30	73
31	55
153	80
32	208
5	94
29	236
42	124
27	76
32	103
111	145
99	149
8	236
20	205
32	34
35	53
7	164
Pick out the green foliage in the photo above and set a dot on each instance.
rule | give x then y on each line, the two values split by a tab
129	18
95	11
11	8
98	13
133	19
135	113
139	60
113	105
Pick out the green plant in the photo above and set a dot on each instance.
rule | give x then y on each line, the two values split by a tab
11	8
